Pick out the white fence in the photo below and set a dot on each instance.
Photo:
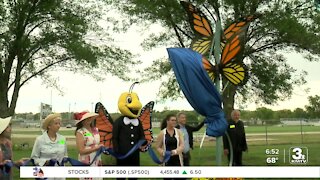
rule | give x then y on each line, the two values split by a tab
297	121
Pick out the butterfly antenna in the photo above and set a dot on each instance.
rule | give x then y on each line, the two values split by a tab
131	87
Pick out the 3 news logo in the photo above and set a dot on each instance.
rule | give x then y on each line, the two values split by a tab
298	155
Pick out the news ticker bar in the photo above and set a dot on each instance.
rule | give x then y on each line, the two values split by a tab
163	171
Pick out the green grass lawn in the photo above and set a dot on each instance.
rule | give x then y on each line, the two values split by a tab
206	155
249	129
279	129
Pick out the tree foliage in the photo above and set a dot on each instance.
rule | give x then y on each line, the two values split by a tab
313	108
300	113
285	26
264	114
37	36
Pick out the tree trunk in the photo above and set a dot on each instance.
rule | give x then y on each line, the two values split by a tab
4	109
7	110
4	103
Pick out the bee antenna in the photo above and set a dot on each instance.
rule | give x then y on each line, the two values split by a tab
131	87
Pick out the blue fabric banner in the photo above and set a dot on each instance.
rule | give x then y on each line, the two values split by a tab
198	88
5	168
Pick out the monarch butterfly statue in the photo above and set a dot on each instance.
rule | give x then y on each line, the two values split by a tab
232	42
124	133
196	74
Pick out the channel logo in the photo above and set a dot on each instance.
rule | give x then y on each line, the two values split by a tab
298	155
38	172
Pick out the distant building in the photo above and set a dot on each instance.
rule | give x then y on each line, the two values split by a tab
252	122
30	124
300	121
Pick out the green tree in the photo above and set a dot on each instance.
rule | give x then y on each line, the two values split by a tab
266	115
300	113
250	116
313	108
192	117
36	117
284	113
285	26
246	114
37	36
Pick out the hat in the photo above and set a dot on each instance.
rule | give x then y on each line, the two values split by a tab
84	115
48	119
4	122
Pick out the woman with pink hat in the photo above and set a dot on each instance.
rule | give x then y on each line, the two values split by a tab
6	147
51	144
87	139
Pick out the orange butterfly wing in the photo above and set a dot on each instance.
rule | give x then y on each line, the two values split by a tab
234	38
104	123
233	70
236	72
198	21
233	42
209	68
201	27
231	49
239	27
145	119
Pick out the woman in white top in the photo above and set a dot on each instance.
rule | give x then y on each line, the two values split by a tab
50	145
171	139
88	140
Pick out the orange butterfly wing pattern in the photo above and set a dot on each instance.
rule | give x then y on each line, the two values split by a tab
234	35
230	50
239	27
104	123
230	68
210	68
234	38
145	119
201	27
236	72
232	42
199	22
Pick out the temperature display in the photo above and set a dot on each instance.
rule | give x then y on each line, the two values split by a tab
272	160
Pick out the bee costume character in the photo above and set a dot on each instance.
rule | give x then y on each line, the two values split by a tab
127	129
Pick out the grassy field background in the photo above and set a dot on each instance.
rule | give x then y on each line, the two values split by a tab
281	138
249	129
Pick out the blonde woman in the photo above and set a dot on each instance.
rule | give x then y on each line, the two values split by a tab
171	139
87	140
51	144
